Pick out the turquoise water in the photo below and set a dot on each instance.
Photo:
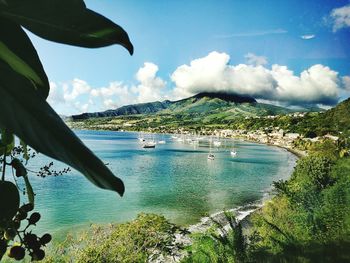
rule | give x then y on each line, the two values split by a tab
175	179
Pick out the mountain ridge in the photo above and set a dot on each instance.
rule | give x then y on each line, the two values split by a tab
201	103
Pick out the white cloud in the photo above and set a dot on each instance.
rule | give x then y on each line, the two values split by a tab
63	96
78	96
307	37
318	84
346	83
55	95
78	87
253	59
151	87
213	73
340	17
81	107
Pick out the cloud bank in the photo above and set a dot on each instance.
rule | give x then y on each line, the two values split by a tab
340	17
213	73
77	96
253	59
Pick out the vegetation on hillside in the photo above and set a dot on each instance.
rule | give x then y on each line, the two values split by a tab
148	237
264	117
307	221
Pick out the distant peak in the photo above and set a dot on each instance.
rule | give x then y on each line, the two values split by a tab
226	97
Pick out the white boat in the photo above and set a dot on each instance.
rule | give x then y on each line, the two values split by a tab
161	142
211	156
217	143
233	151
149	145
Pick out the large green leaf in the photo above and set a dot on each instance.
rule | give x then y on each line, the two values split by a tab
65	21
31	118
17	51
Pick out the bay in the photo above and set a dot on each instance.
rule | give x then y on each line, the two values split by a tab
175	179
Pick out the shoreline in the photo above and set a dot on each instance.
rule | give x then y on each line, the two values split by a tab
241	213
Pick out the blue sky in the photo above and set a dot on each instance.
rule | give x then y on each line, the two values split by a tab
284	52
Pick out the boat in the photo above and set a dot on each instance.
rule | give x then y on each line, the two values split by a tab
149	145
211	156
161	142
233	151
217	143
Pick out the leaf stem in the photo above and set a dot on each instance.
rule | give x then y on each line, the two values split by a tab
4	166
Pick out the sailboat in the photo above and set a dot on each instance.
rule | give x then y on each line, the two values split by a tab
211	156
149	143
217	142
162	141
233	152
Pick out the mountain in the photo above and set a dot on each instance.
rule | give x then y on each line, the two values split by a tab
141	108
205	104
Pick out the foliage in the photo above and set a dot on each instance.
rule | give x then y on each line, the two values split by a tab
307	221
145	238
224	242
309	218
25	112
17	222
24	85
209	114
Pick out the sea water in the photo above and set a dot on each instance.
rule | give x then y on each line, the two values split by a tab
175	179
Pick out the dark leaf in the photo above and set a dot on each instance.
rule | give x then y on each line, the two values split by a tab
66	21
17	51
32	119
29	190
7	141
25	150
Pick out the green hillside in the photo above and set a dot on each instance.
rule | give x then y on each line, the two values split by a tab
332	121
210	105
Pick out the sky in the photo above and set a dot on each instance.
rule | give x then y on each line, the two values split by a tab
288	53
